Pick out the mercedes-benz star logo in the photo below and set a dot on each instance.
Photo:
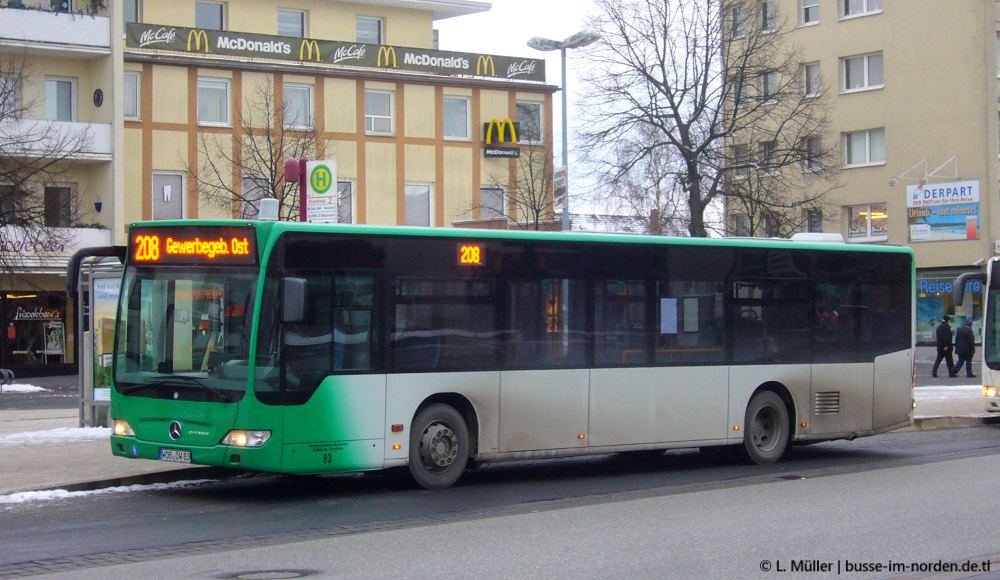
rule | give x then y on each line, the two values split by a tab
175	430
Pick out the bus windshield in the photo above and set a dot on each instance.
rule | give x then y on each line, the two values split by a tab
184	333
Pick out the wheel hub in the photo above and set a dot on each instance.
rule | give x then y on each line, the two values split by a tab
439	446
765	426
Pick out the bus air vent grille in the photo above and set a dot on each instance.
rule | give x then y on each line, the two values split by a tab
828	403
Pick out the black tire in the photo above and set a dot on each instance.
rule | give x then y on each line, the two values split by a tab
439	447
765	438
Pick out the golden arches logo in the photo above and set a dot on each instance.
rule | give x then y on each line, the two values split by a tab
386	51
500	127
485	66
199	36
306	50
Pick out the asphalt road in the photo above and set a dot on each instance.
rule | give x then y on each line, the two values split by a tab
684	499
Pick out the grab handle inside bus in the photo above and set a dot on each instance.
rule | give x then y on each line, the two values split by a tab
293	299
958	292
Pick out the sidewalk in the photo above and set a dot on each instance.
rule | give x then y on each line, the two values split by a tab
42	449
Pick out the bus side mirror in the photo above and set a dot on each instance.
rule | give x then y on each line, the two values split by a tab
293	299
958	292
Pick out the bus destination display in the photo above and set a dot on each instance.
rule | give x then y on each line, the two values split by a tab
471	255
193	245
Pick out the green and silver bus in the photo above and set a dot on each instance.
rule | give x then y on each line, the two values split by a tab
305	349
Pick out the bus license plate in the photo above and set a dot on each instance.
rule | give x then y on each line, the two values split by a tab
175	455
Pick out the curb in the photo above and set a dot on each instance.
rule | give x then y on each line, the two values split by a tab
952	422
169	476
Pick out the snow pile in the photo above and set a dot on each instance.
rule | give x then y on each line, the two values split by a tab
57	494
58	436
16	388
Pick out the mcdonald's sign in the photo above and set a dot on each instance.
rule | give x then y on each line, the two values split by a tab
198	36
485	66
386	51
499	129
306	50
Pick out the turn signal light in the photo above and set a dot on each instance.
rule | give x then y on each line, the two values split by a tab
122	429
990	391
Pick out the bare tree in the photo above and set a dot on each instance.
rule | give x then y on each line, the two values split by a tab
34	153
703	90
236	170
522	195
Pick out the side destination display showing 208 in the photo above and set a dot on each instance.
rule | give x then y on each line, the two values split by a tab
231	245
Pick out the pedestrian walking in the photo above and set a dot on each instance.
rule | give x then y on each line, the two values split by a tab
944	347
965	347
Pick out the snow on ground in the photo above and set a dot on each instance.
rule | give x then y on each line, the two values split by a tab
58	494
936	393
17	388
55	436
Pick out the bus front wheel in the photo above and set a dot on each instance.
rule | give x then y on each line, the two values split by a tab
765	438
439	447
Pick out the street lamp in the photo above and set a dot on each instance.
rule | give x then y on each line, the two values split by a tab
578	40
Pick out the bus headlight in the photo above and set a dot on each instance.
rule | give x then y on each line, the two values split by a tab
244	438
989	391
123	429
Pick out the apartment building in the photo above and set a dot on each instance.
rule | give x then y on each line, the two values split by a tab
913	91
59	68
169	95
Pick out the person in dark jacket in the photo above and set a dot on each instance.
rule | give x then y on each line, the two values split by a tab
965	347
944	347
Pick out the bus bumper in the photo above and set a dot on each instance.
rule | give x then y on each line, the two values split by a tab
259	459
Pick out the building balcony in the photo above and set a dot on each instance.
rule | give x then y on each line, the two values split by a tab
64	34
81	142
48	250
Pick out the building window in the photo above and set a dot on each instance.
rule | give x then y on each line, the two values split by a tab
58	208
812	154
860	7
61	5
291	22
8	204
811	79
59	99
737	20
741	225
418	204
298	106
132	109
741	161
863	72
345	202
768	16
210	15
213	102
131	10
529	118
769	86
769	158
254	190
456	118
369	30
810	11
867	223
814	221
378	113
864	147
998	55
491	203
10	97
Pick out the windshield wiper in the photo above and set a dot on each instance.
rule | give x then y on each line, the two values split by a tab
178	380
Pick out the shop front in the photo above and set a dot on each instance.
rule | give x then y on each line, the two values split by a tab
36	316
934	300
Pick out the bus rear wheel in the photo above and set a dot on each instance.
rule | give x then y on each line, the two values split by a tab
439	447
766	422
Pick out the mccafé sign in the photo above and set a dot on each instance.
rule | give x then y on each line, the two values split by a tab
377	56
